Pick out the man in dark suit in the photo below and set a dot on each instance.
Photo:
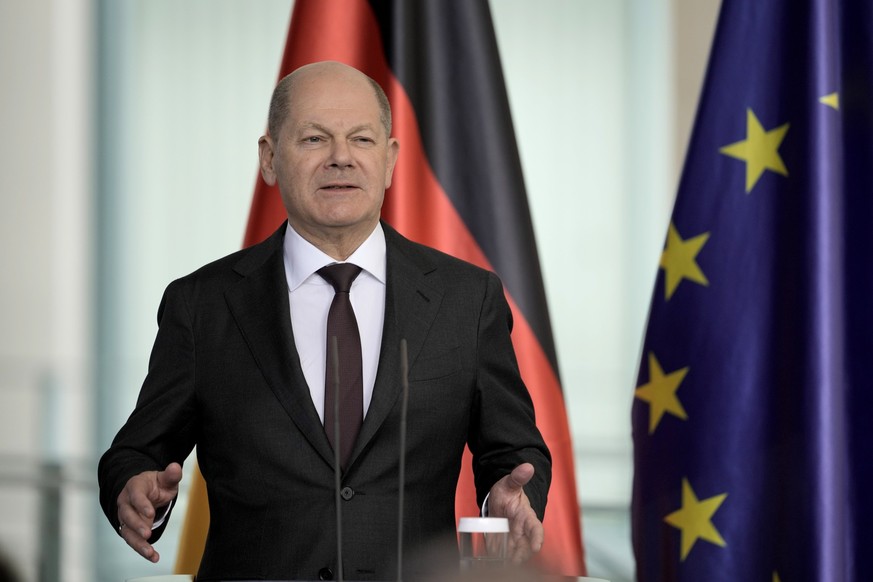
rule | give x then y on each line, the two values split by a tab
239	363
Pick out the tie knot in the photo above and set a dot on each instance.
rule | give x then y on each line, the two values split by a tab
340	275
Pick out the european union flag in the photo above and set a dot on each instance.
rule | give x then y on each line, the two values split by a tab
753	411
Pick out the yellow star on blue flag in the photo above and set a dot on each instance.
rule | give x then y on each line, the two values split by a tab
694	519
679	260
660	393
760	150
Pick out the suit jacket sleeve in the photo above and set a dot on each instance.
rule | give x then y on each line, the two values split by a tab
504	434
162	426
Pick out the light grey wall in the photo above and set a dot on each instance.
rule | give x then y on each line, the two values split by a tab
45	314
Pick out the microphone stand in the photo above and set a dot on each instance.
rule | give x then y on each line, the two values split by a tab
337	470
404	405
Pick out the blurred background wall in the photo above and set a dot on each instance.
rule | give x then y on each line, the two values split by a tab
128	152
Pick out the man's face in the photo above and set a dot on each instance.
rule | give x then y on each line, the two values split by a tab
332	157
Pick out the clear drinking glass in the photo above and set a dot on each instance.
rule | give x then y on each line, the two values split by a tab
483	542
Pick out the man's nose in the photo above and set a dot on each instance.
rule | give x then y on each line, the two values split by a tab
340	154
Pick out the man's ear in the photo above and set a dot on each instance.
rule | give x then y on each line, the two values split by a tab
393	151
265	158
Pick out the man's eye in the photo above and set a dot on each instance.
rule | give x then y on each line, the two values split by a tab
312	139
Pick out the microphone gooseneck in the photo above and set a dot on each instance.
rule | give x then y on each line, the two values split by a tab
404	405
337	469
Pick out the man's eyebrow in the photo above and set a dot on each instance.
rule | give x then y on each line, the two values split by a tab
320	127
312	125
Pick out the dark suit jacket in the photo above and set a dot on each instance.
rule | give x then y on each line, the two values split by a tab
224	375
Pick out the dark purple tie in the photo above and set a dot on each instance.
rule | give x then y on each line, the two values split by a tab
341	323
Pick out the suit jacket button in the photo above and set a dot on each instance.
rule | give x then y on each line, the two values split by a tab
325	574
347	493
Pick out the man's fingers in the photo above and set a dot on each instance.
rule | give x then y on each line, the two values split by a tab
526	537
509	500
135	506
519	550
165	486
536	534
137	503
136	541
134	522
154	489
169	478
140	500
521	475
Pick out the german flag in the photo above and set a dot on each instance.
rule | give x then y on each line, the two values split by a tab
457	186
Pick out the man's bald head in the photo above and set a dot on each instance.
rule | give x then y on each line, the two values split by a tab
283	94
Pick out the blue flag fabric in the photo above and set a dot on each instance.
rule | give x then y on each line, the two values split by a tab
753	443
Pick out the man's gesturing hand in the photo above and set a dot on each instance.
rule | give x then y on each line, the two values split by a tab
508	499
138	502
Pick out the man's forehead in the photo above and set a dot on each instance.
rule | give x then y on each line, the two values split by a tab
328	106
337	99
333	83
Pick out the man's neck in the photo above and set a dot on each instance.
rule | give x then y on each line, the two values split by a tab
338	243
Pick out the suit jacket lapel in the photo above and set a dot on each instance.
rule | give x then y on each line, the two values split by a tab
270	337
411	304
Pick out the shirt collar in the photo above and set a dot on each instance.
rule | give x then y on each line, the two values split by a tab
303	259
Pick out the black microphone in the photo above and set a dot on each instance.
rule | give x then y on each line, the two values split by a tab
337	469
404	405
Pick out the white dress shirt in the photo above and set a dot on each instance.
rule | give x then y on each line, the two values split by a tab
310	297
